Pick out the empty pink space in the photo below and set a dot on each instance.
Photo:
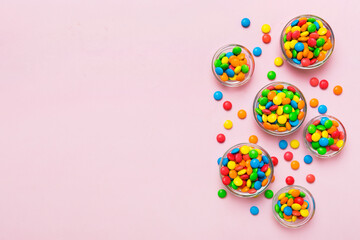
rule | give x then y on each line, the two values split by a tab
108	124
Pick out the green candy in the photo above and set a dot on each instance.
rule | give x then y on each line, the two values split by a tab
289	94
321	150
224	66
285	90
258	111
269	194
302	194
284	38
222	193
294	53
328	124
315	145
253	153
312	28
245	68
222	55
281	215
311	49
277	208
232	184
320	127
320	42
331	141
312	128
252	184
311	20
271	75
316	52
263	101
253	176
297	111
236	50
287	108
265	92
217	63
293	116
297	94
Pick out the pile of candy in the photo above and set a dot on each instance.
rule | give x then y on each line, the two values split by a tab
292	206
279	108
232	65
245	169
307	41
325	136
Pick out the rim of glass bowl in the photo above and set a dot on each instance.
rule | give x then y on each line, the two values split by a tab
262	189
231	83
317	64
308	197
277	133
308	145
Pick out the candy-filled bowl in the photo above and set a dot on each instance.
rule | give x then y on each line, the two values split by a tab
246	170
293	206
233	65
279	108
307	41
325	136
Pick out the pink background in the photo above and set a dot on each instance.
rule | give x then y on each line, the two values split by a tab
108	123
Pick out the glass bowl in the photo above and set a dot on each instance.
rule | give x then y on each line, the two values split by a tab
337	133
244	163
242	77
298	222
322	56
275	128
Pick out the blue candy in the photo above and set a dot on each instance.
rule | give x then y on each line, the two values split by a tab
219	160
308	159
283	144
294	123
299	46
317	25
257	185
323	120
323	142
279	203
322	109
288	211
218	95
257	51
235	151
254	210
265	159
268	105
294	23
261	164
260	174
225	161
296	61
230	72
245	22
254	163
294	104
259	118
219	71
229	54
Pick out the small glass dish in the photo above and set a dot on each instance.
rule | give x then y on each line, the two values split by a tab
258	184
298	222
244	54
337	133
288	127
295	59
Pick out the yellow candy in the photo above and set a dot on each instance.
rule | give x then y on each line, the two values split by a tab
294	144
282	95
281	196
288	29
233	78
259	151
280	110
320	23
277	100
304	34
288	220
322	31
268	171
282	119
264	118
265	28
324	134
272	118
296	99
237	70
293	219
296	206
225	60
292	43
231	165
228	124
304	212
340	143
248	183
278	61
315	137
283	206
261	107
295	28
287	45
244	149
286	115
238	181
290	191
242	172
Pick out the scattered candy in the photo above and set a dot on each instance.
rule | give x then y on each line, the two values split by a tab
278	61
227	105
322	109
253	139
269	194
265	28
220	138
222	193
314	102
257	51
314	82
275	161
228	124
338	90
290	180
288	156
310	178
324	84
295	165
266	38
242	114
294	144
307	41
271	75
292	205
308	159
283	144
245	22
254	210
218	95
325	136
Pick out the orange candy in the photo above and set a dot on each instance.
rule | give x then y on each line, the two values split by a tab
242	114
301	104
253	139
224	77
295	165
295	193
240	76
338	90
314	102
301	115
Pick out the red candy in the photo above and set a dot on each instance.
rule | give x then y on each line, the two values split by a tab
288	156
305	62
310	178
220	138
238	158
224	170
314	82
299	200
296	35
275	160
324	84
266	38
226	180
290	88
312	42
308	137
231	157
289	180
227	105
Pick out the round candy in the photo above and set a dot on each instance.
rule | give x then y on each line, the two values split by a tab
310	178
278	61
294	144
227	105
265	28
295	165
245	22
314	102
253	139
299	46
266	38
275	160
288	211
242	114
257	51
220	138
222	193
308	159
269	194
322	109
228	124
271	75
338	90
254	210
314	82
288	156
218	95
324	84
290	180
283	144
